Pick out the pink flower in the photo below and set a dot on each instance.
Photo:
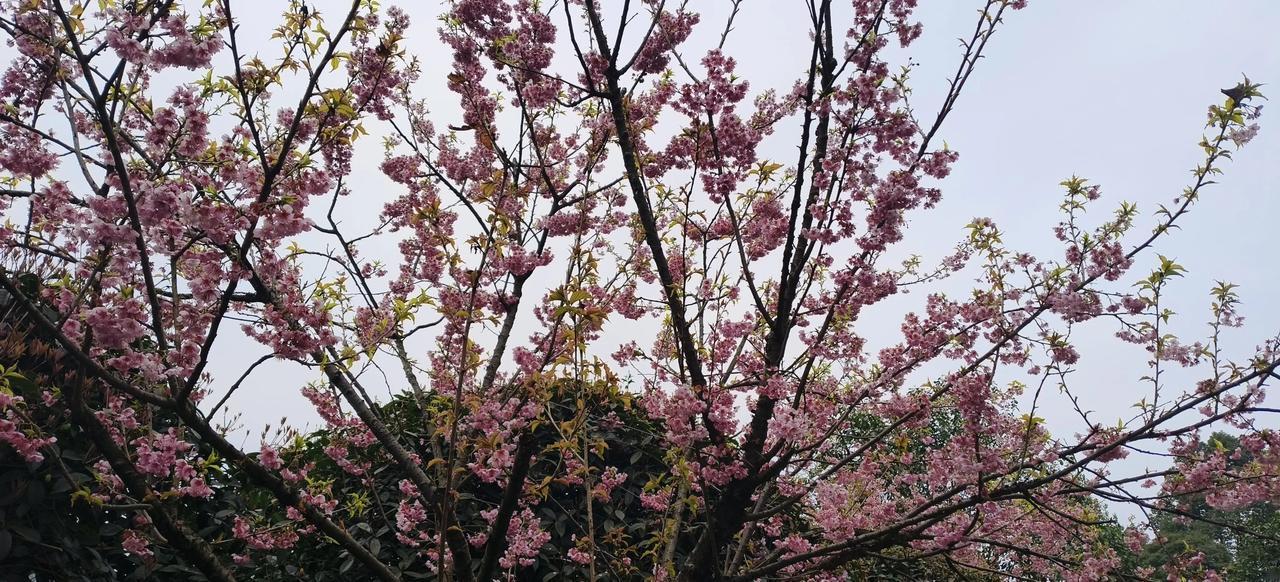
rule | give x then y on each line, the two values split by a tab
134	543
269	457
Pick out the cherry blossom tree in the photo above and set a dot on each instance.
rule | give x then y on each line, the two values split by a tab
593	245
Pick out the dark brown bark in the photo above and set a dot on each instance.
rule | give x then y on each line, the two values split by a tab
496	542
177	534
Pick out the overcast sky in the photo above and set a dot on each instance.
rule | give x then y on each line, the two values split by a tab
1115	91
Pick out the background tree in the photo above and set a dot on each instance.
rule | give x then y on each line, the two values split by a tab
1239	542
54	528
594	253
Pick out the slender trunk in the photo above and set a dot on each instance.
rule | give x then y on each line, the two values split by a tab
192	548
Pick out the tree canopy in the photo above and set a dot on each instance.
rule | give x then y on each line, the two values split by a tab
617	341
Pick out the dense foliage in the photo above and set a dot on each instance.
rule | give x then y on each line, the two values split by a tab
621	342
1241	543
